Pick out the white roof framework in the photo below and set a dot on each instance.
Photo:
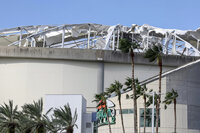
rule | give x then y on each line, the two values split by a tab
97	36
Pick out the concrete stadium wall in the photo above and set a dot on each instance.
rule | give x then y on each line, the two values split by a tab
187	82
28	74
118	71
24	80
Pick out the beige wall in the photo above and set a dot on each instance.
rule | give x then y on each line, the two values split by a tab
24	80
116	71
166	116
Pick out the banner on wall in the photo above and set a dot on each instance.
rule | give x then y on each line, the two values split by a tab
101	115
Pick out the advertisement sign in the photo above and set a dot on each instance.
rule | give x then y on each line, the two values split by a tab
103	113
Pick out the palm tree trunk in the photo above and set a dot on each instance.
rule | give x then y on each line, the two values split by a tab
70	129
159	98
145	113
28	131
108	121
120	107
174	115
134	94
12	129
41	129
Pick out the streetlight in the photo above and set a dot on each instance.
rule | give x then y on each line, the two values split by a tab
152	115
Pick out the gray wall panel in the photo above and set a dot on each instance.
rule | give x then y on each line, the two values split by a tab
187	83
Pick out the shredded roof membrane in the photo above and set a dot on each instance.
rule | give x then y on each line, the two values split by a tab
97	36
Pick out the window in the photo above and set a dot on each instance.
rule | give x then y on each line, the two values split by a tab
130	111
148	118
126	111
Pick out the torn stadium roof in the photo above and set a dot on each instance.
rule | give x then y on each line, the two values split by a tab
97	36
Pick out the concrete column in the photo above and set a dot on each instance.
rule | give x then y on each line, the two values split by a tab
113	43
100	78
44	41
174	46
20	38
88	44
63	37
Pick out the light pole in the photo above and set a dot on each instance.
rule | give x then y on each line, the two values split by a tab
152	115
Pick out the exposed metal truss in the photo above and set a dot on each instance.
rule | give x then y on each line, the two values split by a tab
96	36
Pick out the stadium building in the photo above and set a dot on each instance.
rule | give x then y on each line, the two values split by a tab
84	59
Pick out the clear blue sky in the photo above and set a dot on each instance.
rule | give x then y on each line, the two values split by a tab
179	14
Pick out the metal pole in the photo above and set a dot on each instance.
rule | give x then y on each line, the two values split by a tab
63	37
113	44
27	42
166	44
118	37
153	114
20	38
88	46
33	42
147	45
174	46
187	51
44	41
93	42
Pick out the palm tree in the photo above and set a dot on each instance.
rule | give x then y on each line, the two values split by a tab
25	123
155	53
171	98
52	125
127	46
102	97
9	122
63	117
142	92
116	88
34	117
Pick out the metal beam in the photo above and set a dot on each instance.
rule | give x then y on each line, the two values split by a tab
88	44
63	37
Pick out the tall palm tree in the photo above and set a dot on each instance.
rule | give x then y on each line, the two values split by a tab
116	88
63	117
103	97
34	116
155	53
142	92
9	122
171	98
127	46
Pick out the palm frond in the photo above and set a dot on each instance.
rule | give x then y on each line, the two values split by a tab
63	117
125	45
9	117
34	117
154	53
170	97
116	88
